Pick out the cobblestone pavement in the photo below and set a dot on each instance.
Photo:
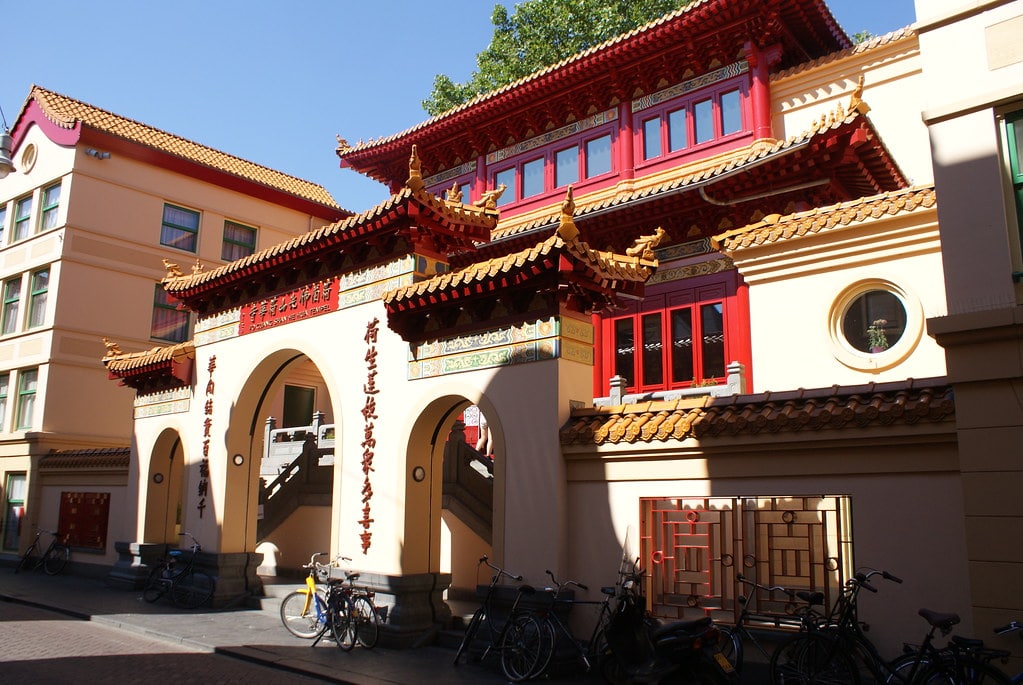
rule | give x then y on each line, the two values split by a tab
41	646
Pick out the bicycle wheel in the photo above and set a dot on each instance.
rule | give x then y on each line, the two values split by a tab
962	671
366	620
56	559
341	624
548	637
300	613
192	589
470	633
812	658
26	558
156	585
731	647
520	647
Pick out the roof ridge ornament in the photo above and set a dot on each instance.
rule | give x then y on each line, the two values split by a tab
113	349
567	230
173	271
488	200
856	103
415	171
644	246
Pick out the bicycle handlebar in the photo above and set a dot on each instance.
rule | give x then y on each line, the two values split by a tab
561	586
195	543
1009	628
500	571
770	588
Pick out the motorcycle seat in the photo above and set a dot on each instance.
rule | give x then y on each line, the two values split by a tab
691	628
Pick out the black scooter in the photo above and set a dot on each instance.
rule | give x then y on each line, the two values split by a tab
643	651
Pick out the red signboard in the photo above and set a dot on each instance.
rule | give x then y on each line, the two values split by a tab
84	517
301	303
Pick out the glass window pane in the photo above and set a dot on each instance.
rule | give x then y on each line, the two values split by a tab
507	179
652	138
682	346
239	241
37	301
598	156
51	203
15	512
27	397
625	350
3	222
566	167
22	214
168	323
678	136
532	178
731	113
703	115
12	302
5	381
875	321
712	348
1016	131
466	190
653	350
180	228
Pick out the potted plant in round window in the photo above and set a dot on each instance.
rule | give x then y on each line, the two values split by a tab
877	341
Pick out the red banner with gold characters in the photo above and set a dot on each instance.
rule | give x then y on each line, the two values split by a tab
311	299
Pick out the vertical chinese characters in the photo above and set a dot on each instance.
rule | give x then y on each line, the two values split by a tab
369	415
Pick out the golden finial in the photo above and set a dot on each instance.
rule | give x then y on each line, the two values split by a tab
197	268
172	270
488	200
567	229
453	194
415	172
342	144
856	103
112	348
644	246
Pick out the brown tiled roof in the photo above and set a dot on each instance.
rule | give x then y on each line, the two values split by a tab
97	458
456	213
773	228
833	408
605	267
875	42
136	361
65	112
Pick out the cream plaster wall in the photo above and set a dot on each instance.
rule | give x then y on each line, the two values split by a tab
798	288
893	88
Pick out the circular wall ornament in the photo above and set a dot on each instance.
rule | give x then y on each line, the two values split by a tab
419	474
28	158
157	478
873	308
238	460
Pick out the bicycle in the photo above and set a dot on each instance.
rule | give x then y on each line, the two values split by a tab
833	652
176	575
554	629
1012	627
304	611
805	617
518	638
53	560
362	611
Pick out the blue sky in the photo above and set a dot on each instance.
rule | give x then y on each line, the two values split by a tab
273	83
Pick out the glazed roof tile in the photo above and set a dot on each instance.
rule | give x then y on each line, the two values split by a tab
843	215
872	44
66	112
96	458
466	215
121	363
832	408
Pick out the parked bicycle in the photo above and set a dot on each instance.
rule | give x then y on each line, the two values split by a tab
1013	627
837	651
53	560
555	632
175	574
517	637
364	618
802	613
304	611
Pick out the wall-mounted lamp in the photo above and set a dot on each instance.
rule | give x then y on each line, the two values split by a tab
238	460
6	143
97	154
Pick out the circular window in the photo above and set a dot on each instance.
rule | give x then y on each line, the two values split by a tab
875	324
28	158
874	321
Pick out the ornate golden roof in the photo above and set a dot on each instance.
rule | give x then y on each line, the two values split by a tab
774	228
66	112
121	362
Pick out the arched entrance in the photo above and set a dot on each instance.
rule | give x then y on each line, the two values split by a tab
281	440
451	501
165	484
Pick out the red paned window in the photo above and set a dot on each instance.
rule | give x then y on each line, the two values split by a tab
677	339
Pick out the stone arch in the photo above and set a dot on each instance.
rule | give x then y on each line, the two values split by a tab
433	540
258	396
164	487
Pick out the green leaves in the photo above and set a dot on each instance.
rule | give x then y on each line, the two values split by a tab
541	33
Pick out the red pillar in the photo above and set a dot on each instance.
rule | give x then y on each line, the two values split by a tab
760	62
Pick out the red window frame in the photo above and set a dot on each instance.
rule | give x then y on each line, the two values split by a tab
708	349
688	102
